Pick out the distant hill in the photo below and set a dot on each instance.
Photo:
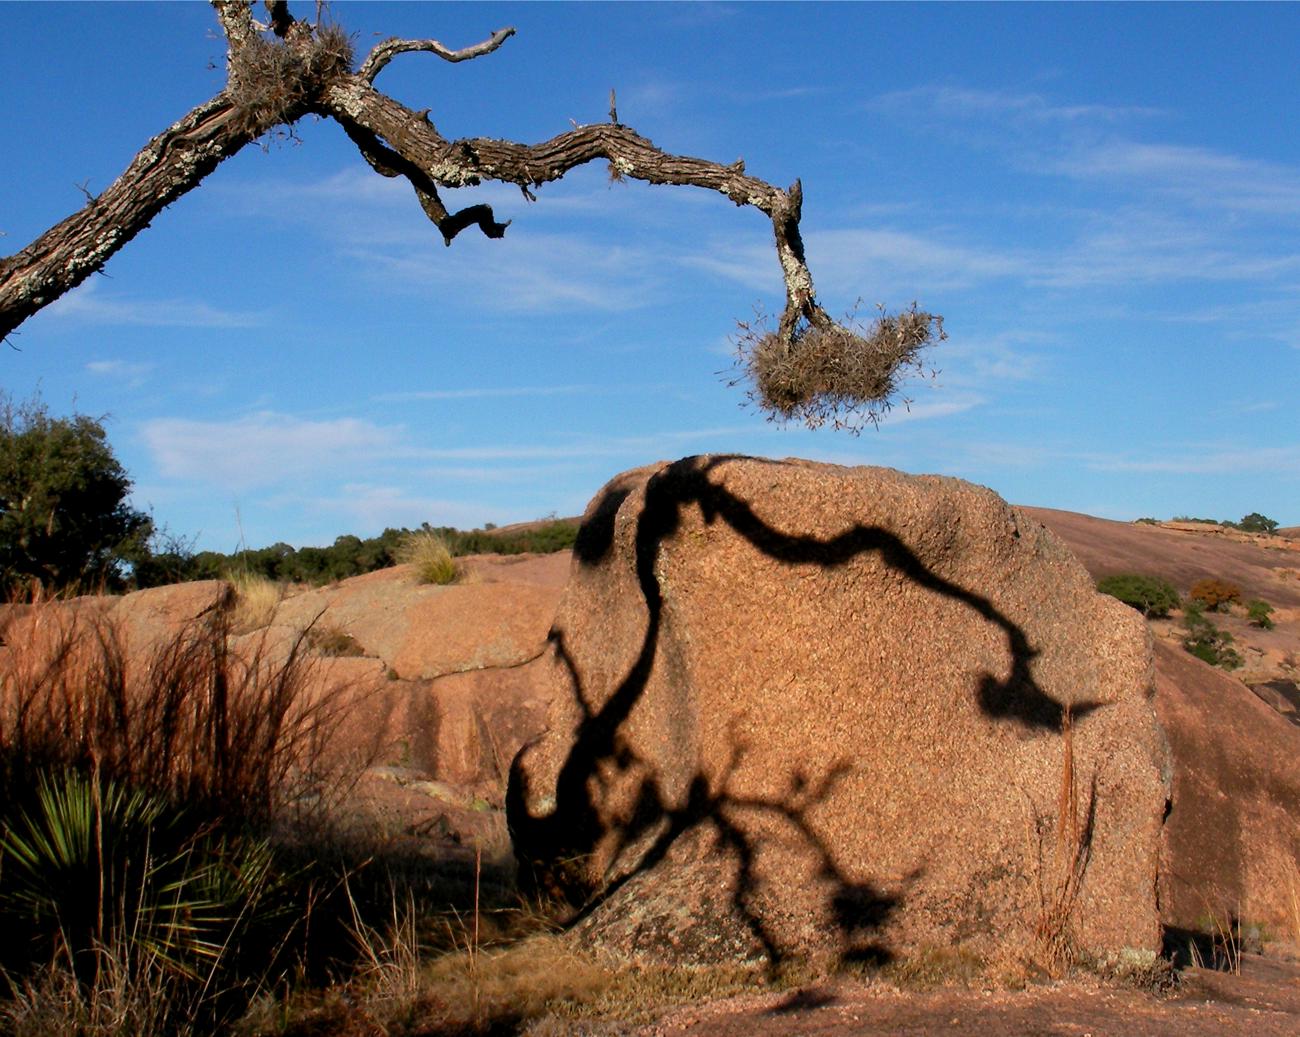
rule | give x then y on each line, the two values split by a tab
1264	567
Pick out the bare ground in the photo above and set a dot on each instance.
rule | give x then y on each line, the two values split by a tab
1263	1001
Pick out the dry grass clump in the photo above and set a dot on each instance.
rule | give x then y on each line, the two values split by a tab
256	599
842	374
429	556
235	733
138	788
132	993
325	639
272	80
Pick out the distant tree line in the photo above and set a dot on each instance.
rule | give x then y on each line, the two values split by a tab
1252	523
66	523
347	556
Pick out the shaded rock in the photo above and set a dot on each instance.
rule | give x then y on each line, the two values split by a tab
1233	836
808	710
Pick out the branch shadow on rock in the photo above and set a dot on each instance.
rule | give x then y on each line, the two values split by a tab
553	848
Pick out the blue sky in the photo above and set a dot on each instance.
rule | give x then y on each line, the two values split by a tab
1102	201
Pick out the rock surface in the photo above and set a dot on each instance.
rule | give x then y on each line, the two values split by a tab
1232	840
808	710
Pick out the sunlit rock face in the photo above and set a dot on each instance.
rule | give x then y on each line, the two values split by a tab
806	710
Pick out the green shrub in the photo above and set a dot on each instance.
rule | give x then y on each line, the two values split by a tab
1257	523
1215	594
1206	641
65	513
1148	594
92	863
1260	614
427	553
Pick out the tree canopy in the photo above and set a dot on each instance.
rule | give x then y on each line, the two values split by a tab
64	515
805	367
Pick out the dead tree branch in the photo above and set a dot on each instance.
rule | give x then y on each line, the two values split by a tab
384	52
301	68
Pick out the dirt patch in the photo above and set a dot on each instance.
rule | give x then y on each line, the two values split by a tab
1264	1001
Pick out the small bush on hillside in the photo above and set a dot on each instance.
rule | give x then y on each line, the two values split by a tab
1206	641
1260	614
1148	522
331	641
1150	595
1215	594
430	558
1257	523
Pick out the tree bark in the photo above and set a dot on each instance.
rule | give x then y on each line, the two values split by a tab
307	69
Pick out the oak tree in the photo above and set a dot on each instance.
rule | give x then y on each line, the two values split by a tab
806	367
65	518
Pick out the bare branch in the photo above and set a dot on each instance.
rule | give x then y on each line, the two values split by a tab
384	52
809	367
468	162
387	162
236	17
171	164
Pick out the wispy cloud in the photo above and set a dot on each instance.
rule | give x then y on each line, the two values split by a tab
487	393
963	103
1133	245
368	506
850	261
263	449
121	370
89	304
530	272
1202	176
1276	461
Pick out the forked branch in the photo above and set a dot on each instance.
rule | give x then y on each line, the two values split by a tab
808	368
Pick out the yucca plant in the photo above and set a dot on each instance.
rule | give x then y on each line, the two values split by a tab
91	863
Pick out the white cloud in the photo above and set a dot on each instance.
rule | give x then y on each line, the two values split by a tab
89	305
1200	175
965	103
263	449
1276	461
368	506
125	370
527	272
890	264
484	393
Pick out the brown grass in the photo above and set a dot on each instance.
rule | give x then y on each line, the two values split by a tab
429	556
256	601
240	733
1055	947
328	640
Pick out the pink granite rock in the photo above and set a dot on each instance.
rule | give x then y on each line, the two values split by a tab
800	709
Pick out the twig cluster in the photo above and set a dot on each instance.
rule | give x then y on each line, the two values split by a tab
844	374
